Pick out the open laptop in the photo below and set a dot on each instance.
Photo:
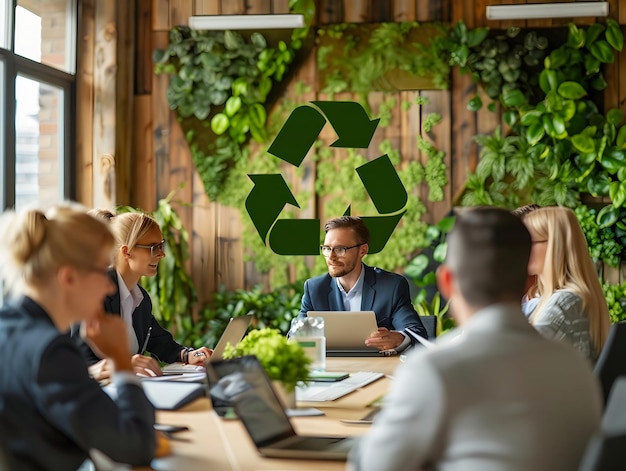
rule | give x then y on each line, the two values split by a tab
244	382
346	332
234	332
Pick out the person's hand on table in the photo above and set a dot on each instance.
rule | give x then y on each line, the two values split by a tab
384	339
106	335
146	366
101	371
199	356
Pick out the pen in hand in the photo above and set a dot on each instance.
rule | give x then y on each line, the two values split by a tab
145	342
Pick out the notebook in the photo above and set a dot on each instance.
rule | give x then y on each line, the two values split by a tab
346	332
166	395
234	332
170	395
244	382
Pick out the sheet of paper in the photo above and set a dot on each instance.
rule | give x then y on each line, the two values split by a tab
185	377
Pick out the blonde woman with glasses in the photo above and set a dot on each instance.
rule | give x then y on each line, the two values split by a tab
52	414
139	247
571	304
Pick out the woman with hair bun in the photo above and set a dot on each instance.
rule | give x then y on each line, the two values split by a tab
571	304
52	414
138	249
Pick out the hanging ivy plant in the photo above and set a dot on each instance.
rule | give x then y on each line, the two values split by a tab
220	84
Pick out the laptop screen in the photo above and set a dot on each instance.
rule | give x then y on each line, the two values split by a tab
234	332
347	330
243	382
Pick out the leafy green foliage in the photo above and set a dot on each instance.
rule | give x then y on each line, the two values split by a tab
505	64
615	296
603	243
559	144
275	309
365	60
220	83
421	271
283	361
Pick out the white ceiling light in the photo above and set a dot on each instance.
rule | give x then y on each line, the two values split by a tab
547	10
223	22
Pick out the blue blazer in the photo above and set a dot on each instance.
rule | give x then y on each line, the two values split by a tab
51	412
161	344
385	293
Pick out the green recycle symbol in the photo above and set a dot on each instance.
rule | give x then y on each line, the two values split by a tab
270	193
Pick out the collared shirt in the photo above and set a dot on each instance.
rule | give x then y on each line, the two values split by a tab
352	302
352	299
129	300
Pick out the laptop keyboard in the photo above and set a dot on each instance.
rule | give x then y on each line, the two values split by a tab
313	443
320	392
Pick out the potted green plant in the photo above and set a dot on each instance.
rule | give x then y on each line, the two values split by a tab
285	362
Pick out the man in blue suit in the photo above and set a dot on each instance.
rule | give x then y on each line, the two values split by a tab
350	285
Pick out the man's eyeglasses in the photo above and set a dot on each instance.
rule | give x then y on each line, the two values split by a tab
339	251
155	249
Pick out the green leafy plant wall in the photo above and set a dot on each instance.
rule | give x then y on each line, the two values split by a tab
221	88
557	144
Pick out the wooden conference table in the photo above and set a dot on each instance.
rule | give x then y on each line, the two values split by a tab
219	444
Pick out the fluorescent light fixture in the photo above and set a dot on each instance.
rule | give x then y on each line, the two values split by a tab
547	10
223	22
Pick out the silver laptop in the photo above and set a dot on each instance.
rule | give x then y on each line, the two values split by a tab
244	382
234	332
346	332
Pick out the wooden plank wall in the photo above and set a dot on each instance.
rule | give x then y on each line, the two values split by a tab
161	160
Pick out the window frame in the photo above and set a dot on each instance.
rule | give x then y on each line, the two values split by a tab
14	65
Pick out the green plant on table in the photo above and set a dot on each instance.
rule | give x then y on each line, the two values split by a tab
283	361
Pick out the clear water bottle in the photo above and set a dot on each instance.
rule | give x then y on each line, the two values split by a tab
309	333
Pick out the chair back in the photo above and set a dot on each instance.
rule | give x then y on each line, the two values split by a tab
612	360
605	451
430	324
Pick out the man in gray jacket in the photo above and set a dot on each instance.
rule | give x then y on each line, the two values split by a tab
497	396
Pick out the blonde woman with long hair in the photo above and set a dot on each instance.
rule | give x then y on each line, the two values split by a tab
571	303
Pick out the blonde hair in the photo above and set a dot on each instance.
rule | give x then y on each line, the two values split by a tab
568	266
36	244
127	228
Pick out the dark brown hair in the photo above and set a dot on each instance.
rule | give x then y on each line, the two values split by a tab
488	251
350	222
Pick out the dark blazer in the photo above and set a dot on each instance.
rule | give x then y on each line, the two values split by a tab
51	412
161	344
385	293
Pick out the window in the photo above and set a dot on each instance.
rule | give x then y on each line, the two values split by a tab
37	86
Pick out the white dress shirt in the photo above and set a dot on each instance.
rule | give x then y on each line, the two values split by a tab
129	300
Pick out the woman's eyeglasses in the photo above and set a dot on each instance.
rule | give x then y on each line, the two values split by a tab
155	249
